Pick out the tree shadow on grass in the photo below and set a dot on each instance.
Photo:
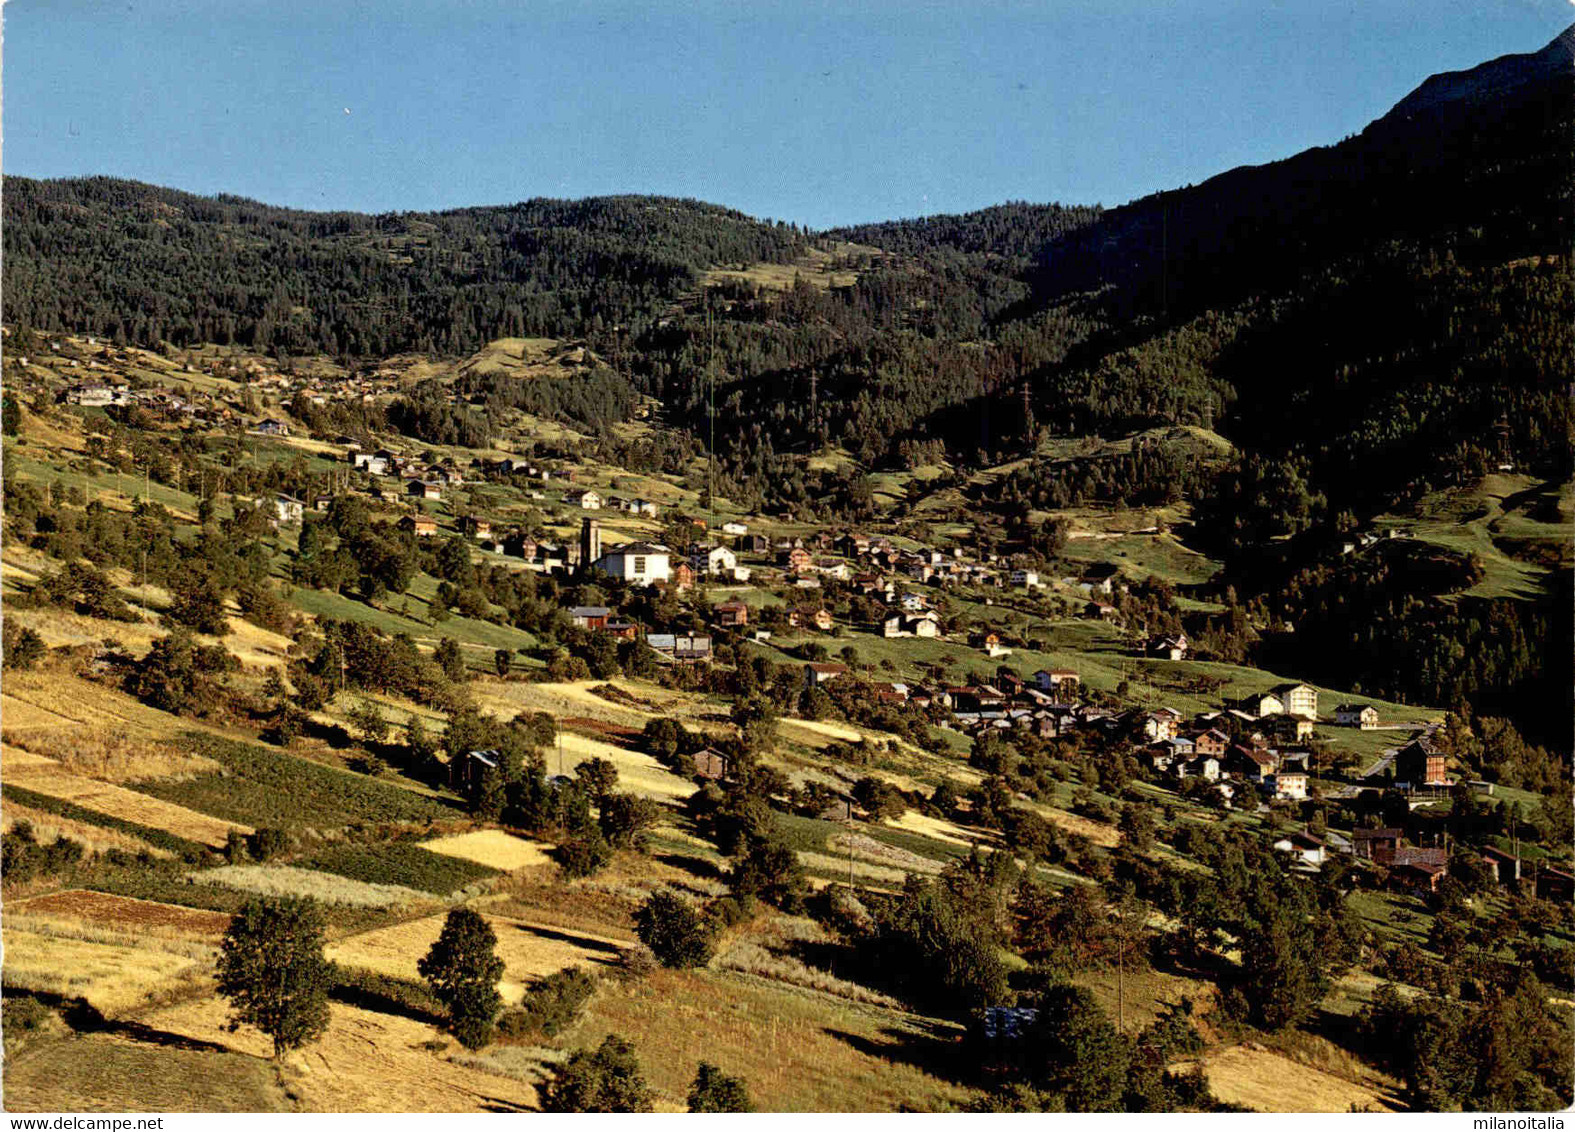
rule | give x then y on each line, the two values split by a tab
932	1047
697	867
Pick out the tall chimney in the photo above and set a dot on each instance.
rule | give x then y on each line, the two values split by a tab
590	543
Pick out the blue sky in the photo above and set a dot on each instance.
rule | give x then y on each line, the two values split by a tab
816	112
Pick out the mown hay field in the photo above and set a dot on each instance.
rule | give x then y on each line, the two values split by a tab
113	1074
364	1062
112	977
46	776
528	951
1270	1082
492	848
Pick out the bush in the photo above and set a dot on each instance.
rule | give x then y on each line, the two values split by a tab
551	1006
715	1091
674	931
607	1079
584	854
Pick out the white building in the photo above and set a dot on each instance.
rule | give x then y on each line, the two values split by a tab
734	527
288	509
713	560
1364	716
588	500
638	563
1027	578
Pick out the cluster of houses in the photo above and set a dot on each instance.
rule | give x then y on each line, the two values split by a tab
1418	870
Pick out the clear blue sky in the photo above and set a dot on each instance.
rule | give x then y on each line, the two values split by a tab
818	112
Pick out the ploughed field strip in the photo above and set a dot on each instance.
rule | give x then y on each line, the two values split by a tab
127	912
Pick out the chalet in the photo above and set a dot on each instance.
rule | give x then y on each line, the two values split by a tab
1299	699
1211	742
1101	578
1420	764
852	545
682	576
811	617
1293	728
752	544
288	509
987	640
1262	704
271	427
1056	679
1177	748
1555	884
926	624
1286	786
590	616
732	614
422	526
424	489
475	527
1370	844
1411	856
1169	648
913	603
832	568
1417	879
691	649
1027	579
712	559
733	527
623	630
817	674
638	563
466	772
1304	849
795	559
1503	867
1204	766
374	463
520	545
710	763
643	507
1100	611
322	502
1249	762
586	500
1364	716
892	626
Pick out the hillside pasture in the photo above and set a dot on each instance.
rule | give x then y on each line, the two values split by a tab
111	1073
1271	1082
113	977
798	1050
528	951
364	1062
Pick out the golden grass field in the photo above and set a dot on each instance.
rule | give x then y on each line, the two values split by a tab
528	951
937	829
92	838
798	1050
364	1062
113	977
493	848
1271	1082
109	1073
45	776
